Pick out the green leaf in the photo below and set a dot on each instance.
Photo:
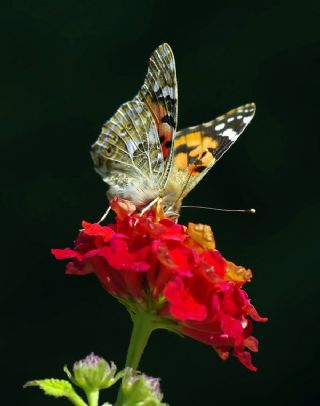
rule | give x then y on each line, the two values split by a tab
58	388
53	387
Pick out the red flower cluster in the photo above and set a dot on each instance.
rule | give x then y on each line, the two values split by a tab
172	270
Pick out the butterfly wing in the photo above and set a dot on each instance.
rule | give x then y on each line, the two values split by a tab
197	149
132	153
160	93
128	155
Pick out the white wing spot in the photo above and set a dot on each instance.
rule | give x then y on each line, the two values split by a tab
209	124
230	119
247	120
239	117
131	147
231	134
219	126
167	91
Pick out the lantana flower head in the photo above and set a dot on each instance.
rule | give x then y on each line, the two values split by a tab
172	272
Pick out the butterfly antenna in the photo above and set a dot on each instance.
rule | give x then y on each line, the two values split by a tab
247	211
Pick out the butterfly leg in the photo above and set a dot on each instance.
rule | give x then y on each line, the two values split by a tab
105	215
152	203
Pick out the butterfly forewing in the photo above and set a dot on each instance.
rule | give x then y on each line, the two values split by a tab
197	149
134	150
160	94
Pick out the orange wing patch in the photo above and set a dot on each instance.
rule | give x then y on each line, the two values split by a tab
194	152
165	131
181	160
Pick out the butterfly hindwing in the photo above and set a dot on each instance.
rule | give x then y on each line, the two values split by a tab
197	149
127	153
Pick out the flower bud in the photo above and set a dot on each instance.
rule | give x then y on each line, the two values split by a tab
93	373
140	389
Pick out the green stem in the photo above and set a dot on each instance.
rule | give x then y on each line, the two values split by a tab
93	398
76	399
142	328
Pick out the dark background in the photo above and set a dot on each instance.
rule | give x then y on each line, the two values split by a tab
65	68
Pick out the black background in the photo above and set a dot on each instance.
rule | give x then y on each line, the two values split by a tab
65	68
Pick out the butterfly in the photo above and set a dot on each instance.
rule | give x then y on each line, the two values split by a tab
140	154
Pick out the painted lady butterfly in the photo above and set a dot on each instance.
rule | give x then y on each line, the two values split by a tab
140	155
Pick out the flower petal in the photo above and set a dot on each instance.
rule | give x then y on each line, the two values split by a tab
245	358
122	207
202	234
65	253
95	230
183	306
